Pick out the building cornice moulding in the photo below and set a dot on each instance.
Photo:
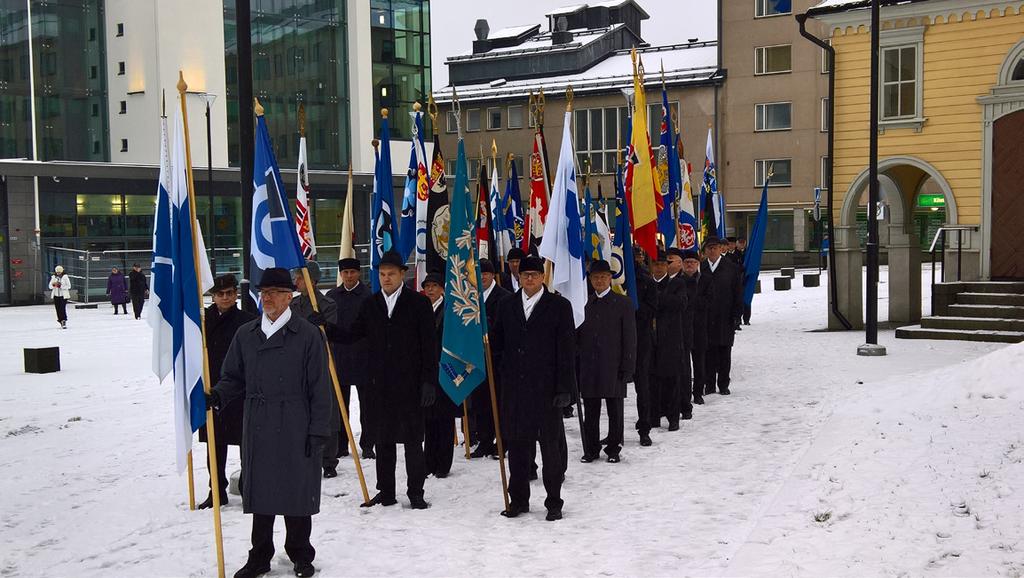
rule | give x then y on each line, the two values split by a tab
920	14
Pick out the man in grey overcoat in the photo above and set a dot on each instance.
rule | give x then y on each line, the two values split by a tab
279	365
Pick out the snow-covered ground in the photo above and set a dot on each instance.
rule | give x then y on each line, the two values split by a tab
820	463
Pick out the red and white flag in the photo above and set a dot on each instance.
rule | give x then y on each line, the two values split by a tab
537	213
303	220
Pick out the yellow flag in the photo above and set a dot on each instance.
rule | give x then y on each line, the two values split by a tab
644	201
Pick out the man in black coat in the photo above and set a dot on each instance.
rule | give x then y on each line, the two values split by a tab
222	321
138	289
327	316
438	446
724	312
647	296
606	344
277	364
535	334
669	364
695	333
493	296
351	359
741	252
398	325
510	278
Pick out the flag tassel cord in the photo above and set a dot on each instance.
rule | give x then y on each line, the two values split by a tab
497	424
210	435
353	447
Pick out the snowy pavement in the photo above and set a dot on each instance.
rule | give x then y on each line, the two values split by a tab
820	463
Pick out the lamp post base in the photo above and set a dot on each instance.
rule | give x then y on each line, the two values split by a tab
871	350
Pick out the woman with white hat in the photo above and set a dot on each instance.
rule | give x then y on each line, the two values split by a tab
60	290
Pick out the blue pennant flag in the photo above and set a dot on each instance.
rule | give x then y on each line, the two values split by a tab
383	234
670	177
463	365
755	248
407	228
274	242
513	202
623	266
591	242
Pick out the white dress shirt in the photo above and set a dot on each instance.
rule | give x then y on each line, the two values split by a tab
603	293
271	327
437	304
714	264
353	287
390	300
487	292
515	282
530	302
659	280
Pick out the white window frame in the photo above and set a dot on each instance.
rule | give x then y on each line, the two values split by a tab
912	37
451	126
822	170
824	58
761	169
760	51
761	6
508	116
469	116
824	114
500	122
760	114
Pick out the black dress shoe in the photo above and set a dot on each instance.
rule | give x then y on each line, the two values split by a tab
441	475
514	510
303	569
698	400
533	475
369	454
586	459
613	459
418	504
252	570
342	452
645	440
330	472
208	502
688	415
553	515
482	452
381	499
603	441
673	426
724	391
709	390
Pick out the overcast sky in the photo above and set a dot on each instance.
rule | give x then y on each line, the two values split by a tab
452	22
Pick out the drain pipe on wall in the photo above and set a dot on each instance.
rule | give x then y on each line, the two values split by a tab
833	288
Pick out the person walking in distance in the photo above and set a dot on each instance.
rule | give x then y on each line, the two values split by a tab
222	320
117	290
607	357
278	365
138	289
60	292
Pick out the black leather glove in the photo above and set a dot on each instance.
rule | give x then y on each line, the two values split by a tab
317	318
213	400
562	400
427	395
314	444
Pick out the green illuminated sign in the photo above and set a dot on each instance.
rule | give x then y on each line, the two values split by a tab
926	200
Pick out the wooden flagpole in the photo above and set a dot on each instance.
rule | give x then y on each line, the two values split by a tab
494	414
211	444
465	427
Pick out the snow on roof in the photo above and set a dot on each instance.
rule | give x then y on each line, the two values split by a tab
512	31
683	63
827	6
566	10
581	37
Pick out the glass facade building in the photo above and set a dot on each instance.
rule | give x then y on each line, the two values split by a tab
400	38
70	80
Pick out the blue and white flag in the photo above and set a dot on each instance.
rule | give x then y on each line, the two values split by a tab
623	264
563	235
273	242
383	232
161	270
499	223
186	307
514	217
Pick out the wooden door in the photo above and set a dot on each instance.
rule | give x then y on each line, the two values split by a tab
1008	197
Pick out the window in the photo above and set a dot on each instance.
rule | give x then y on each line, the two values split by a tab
825	64
773	59
95	109
474	168
515	116
518	162
1018	71
599	132
782	169
92	35
823	176
899	82
449	167
124	107
120	68
655	115
493	119
773	116
124	145
94	72
452	125
120	28
473	120
95	147
490	168
824	114
772	7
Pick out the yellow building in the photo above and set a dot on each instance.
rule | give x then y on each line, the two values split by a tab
951	124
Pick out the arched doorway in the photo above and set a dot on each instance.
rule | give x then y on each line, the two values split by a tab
1007	253
901	181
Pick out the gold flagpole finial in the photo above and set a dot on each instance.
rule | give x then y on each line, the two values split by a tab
383	113
257	107
163	103
432	111
182	85
568	99
494	150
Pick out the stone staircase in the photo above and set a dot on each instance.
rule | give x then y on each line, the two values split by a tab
973	311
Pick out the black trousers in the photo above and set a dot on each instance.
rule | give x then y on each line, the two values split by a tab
415	468
222	477
484	418
746	314
337	444
123	306
697	370
642	382
666	398
61	305
719	363
683	399
592	425
438	445
296	542
137	302
522	454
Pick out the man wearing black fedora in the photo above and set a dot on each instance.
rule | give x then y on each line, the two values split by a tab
398	324
510	278
536	337
277	366
438	449
351	359
222	320
723	315
493	295
607	358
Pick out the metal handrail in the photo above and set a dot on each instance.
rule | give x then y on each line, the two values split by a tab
949	228
940	239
